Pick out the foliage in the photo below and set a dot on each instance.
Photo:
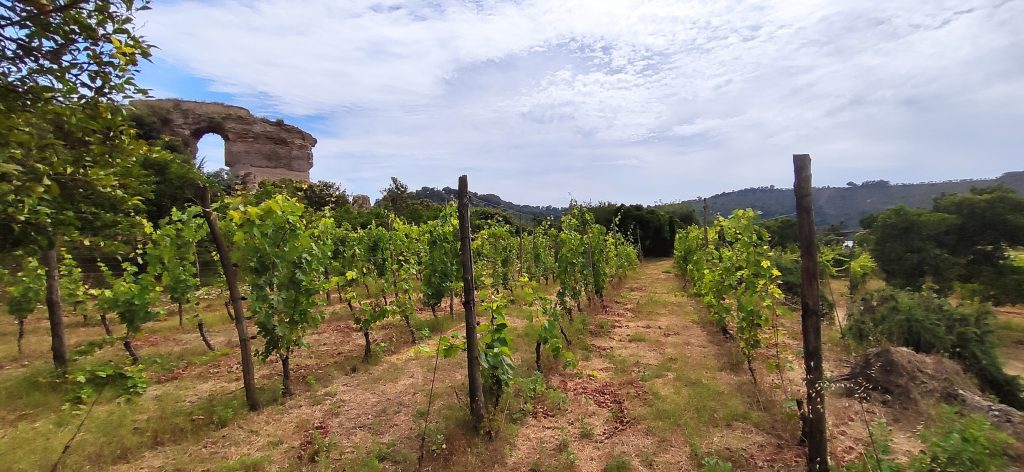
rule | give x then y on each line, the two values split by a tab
441	267
128	381
74	51
284	254
714	464
549	332
861	267
964	239
398	200
496	346
738	264
570	259
654	230
318	196
954	441
25	292
782	231
131	297
70	156
909	247
494	257
927	323
961	442
72	283
172	253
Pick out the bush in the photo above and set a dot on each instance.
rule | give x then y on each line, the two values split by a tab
931	325
961	443
953	442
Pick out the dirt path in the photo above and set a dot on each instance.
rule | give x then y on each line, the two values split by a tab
659	391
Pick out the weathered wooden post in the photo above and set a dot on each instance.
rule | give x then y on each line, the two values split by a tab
705	223
476	386
235	297
810	318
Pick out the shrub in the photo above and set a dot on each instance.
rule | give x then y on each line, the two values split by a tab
931	325
953	442
958	442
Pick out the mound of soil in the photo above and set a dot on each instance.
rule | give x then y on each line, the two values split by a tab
899	377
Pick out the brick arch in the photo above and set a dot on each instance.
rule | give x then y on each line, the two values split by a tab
254	147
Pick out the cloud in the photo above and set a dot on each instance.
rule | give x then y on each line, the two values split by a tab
618	100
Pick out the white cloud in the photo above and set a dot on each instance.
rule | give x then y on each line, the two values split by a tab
627	100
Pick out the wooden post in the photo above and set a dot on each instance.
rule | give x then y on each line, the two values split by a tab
476	386
705	223
235	297
54	310
810	319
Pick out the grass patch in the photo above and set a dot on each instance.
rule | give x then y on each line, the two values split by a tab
117	431
167	362
618	463
602	327
637	338
439	325
559	458
245	464
1009	332
27	394
651	305
693	403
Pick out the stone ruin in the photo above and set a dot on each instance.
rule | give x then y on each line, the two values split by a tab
255	148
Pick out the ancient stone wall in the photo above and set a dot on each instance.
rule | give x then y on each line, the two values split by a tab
255	148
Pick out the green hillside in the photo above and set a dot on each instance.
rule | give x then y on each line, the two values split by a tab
846	205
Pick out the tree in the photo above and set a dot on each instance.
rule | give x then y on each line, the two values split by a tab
398	200
964	240
909	247
285	255
653	229
989	221
69	153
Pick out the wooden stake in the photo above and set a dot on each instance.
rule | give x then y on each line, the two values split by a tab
817	440
235	297
476	386
54	310
705	223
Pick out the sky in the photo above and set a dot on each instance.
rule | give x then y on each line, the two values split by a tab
540	101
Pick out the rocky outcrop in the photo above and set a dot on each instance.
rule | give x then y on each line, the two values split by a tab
361	202
255	148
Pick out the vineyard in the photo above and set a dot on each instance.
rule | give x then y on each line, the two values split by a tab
587	358
164	316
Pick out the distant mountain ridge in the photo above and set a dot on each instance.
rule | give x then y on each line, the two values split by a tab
845	206
489	199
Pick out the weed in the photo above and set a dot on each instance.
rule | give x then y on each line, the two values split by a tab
618	463
245	464
714	464
637	338
586	430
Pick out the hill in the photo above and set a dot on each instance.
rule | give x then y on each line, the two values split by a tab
489	199
846	205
